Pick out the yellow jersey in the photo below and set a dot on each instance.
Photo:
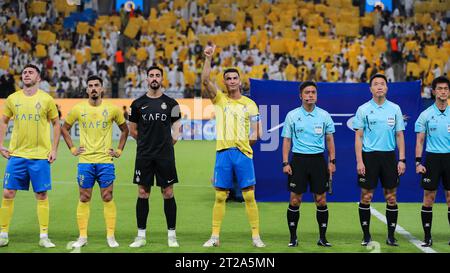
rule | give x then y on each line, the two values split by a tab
233	118
95	124
31	115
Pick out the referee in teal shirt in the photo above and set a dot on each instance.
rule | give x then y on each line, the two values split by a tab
434	125
307	127
379	127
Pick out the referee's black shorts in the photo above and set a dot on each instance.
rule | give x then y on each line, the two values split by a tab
379	165
308	169
146	169
438	166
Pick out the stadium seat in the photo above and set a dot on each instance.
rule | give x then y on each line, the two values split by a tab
82	28
424	64
347	29
79	57
431	51
277	46
38	7
64	7
40	51
116	21
290	72
210	18
141	54
24	46
96	46
4	62
46	37
179	4
132	28
12	38
411	45
414	68
367	20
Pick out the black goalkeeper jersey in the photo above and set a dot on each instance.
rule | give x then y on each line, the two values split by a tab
154	118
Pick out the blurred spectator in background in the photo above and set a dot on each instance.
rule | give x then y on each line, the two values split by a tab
115	85
7	85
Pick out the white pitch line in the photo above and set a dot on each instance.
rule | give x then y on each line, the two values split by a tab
341	115
131	184
276	127
333	115
413	240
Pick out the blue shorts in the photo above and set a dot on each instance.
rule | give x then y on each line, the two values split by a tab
20	171
88	173
231	161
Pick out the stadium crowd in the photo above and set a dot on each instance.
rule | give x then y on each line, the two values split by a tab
280	40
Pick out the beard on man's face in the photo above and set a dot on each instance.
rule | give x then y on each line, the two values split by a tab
94	95
155	85
29	83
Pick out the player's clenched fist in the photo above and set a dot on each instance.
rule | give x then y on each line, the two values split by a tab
209	50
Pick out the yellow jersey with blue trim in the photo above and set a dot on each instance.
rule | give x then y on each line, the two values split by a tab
95	124
233	120
31	116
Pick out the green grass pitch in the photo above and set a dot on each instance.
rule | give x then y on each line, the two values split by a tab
195	198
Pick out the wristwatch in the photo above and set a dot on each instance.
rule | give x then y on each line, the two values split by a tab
333	161
285	164
402	160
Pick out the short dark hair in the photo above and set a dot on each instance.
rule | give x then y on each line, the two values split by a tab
440	79
155	67
378	75
306	84
32	66
229	70
93	78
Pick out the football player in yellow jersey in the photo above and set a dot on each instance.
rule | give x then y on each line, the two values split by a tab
95	118
238	127
31	150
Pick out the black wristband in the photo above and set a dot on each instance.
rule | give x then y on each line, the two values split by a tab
285	164
333	161
402	160
418	159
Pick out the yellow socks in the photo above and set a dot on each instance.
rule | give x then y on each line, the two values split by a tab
110	212
6	213
83	211
252	211
218	212
43	212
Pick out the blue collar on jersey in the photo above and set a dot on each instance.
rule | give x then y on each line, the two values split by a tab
374	104
436	109
306	113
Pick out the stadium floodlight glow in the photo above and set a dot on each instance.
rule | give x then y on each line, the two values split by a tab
379	4
129	6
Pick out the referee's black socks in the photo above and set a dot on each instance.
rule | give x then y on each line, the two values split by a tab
293	215
170	209
427	219
142	210
391	218
364	219
322	220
